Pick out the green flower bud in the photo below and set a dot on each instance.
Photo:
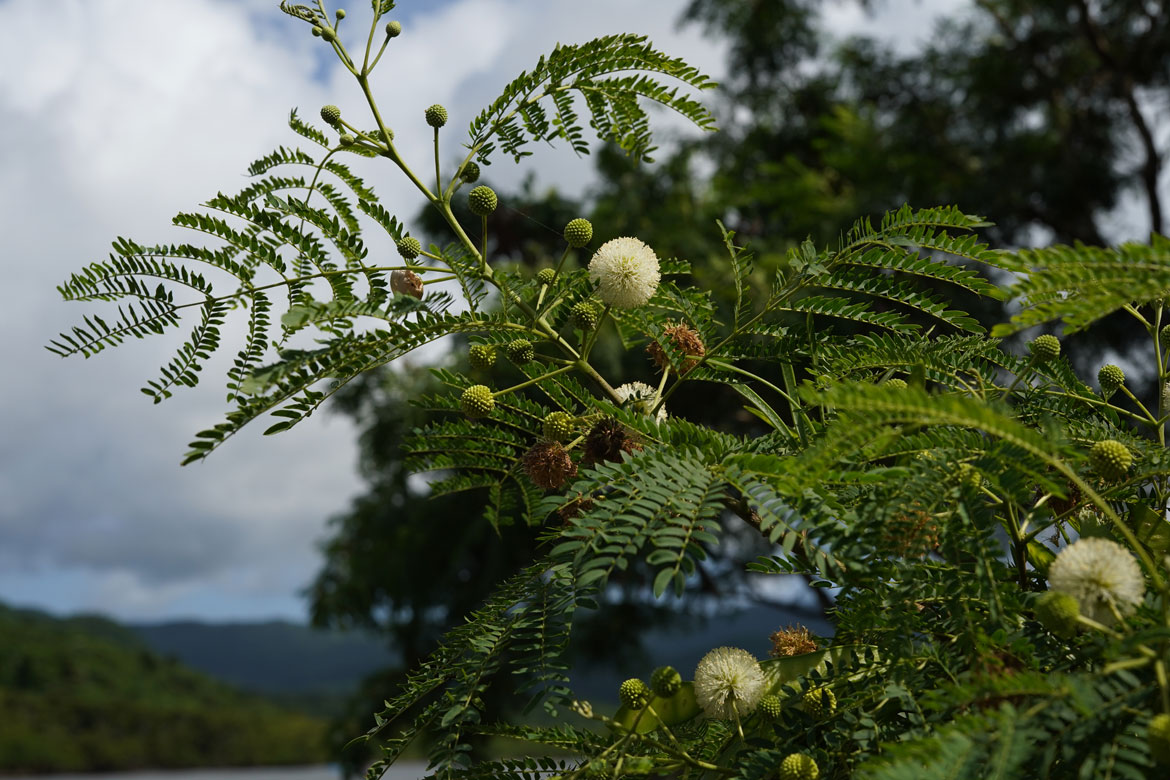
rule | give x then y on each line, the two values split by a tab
436	116
346	139
1058	613
393	29
819	702
585	316
1045	348
477	401
470	172
546	276
328	34
408	247
481	356
559	426
634	694
665	682
1158	738
578	232
519	351
1111	459
340	14
316	31
482	201
1111	378
798	766
770	706
331	114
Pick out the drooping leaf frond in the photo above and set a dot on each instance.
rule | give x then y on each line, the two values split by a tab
594	70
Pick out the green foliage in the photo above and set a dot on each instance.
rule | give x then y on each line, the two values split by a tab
85	696
935	506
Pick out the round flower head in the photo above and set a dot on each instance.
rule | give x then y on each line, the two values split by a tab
640	396
1045	348
728	683
798	766
634	694
626	272
436	116
1110	378
482	201
666	681
470	172
578	232
1111	459
1098	573
331	114
481	356
477	401
408	247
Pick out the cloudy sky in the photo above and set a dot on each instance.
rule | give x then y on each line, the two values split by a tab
114	116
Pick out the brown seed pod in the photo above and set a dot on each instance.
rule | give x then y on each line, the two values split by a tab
685	340
607	440
406	283
548	464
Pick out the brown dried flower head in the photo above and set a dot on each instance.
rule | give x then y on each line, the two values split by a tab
685	340
607	440
548	465
406	282
794	640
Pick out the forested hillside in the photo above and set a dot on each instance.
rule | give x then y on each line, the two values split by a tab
86	694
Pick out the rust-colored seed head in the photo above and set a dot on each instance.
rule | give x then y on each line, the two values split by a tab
607	440
548	464
794	640
685	340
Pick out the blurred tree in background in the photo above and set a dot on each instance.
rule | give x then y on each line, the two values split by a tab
1042	116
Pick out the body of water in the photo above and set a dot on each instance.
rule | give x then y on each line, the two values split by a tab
404	770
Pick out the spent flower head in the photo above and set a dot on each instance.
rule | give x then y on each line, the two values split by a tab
626	272
728	683
1101	575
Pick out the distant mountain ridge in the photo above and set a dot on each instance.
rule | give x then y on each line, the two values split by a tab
271	657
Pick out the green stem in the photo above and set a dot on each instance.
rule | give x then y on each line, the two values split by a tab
534	380
1028	369
438	180
592	338
1149	418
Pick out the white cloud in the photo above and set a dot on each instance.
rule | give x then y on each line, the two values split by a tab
114	116
123	113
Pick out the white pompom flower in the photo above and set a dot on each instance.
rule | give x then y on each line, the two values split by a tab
1099	573
640	396
728	683
625	271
